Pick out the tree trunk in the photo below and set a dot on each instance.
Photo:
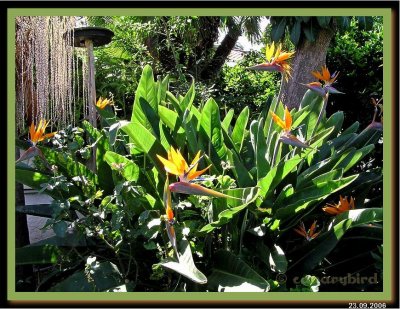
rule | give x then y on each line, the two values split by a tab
308	57
221	54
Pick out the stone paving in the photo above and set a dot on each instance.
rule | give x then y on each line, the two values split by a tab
35	223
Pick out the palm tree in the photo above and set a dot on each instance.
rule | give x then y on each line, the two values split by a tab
236	26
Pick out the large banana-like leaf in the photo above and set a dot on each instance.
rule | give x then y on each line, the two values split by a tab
231	274
298	202
45	254
344	160
243	198
316	250
145	93
227	120
212	137
239	129
102	277
242	175
128	169
276	174
36	180
185	265
147	142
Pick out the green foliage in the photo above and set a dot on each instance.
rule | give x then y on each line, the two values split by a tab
223	244
238	87
302	28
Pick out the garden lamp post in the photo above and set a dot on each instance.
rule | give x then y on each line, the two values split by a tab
90	37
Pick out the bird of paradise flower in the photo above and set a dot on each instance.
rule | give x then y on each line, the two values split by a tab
378	125
343	205
286	124
175	164
102	103
276	61
327	80
308	235
36	135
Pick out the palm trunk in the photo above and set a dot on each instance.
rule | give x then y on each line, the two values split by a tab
309	57
221	54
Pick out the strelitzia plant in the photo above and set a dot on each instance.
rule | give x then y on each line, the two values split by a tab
177	165
102	103
378	125
36	135
276	61
286	124
308	235
343	205
325	81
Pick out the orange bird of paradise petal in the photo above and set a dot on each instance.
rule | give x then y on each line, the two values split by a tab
36	134
325	76
343	205
102	103
176	165
308	235
286	123
276	61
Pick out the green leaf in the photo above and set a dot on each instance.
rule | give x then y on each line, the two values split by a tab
304	19
308	98
239	129
314	252
68	166
72	238
295	33
291	207
227	120
359	216
276	174
104	173
128	169
324	21
145	98
35	180
103	276
336	120
343	22
367	136
41	210
185	266
329	147
211	125
278	29
247	195
60	228
162	88
188	99
277	260
147	142
365	22
310	31
344	160
242	175
173	122
46	254
175	103
231	274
